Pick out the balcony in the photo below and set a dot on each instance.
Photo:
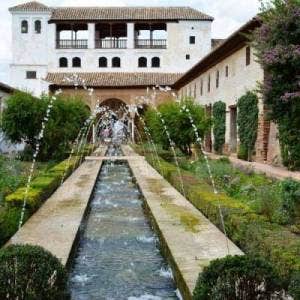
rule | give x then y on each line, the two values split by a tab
111	43
151	43
71	44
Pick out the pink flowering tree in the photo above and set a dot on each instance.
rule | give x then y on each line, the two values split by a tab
277	43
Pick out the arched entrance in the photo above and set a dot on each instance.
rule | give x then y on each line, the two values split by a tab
118	111
118	106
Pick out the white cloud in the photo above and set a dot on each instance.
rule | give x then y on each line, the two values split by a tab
228	14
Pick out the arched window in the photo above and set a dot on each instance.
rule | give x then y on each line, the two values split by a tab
116	62
155	62
37	26
24	26
63	62
76	62
142	62
102	62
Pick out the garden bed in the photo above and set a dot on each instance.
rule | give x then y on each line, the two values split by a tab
255	231
43	185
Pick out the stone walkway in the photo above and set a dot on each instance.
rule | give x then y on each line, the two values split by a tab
270	171
56	224
190	240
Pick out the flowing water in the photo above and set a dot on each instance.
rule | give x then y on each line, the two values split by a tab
118	255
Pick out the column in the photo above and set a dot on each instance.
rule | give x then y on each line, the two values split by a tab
130	35
91	42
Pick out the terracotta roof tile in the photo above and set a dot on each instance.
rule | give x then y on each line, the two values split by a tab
31	6
117	79
115	13
128	13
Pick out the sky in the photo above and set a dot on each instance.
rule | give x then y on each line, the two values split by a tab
229	15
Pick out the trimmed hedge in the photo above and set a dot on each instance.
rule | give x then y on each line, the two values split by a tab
250	231
42	187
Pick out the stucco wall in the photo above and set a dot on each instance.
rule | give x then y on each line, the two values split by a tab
37	52
241	78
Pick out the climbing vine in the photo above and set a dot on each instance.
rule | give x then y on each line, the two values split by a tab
219	119
247	122
278	50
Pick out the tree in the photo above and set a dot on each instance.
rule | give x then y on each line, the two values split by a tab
237	277
219	125
177	117
23	116
247	122
278	50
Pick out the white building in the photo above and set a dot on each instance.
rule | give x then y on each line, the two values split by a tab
48	40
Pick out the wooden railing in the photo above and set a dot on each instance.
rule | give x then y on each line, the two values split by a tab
150	44
72	44
112	43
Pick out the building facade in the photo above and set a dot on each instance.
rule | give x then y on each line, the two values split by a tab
121	52
226	74
50	40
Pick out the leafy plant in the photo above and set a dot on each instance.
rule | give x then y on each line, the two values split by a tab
176	117
237	277
22	121
290	192
9	221
30	272
277	47
219	125
247	121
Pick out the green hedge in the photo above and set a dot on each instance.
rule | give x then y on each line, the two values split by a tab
219	128
31	272
252	232
42	186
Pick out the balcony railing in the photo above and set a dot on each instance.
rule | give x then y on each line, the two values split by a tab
112	43
150	44
72	44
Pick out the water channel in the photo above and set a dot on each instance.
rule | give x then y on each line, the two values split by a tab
118	254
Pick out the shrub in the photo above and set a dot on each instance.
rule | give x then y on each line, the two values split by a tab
290	191
9	221
22	121
247	121
178	124
294	287
249	230
277	49
237	277
30	272
42	186
219	125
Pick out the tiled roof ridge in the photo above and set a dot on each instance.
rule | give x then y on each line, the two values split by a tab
113	79
116	12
